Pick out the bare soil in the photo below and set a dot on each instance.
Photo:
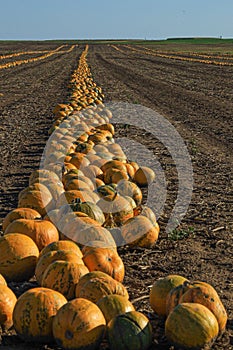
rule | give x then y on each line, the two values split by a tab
198	100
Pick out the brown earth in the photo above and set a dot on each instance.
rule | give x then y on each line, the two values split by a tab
197	99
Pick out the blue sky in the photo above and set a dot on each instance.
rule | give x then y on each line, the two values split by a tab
93	19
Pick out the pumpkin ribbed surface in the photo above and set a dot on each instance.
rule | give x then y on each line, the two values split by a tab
46	259
62	245
20	213
42	232
144	176
131	331
139	231
119	210
34	312
191	326
104	259
79	325
63	276
18	257
95	285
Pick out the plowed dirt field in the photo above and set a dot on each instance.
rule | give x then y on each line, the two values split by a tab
197	99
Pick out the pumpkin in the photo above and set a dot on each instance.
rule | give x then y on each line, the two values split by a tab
89	208
83	147
42	232
53	216
160	290
203	293
7	304
104	259
191	326
83	230
107	126
113	164
18	257
113	305
100	136
112	175
55	187
46	259
79	160
79	183
92	171
117	211
131	330
79	324
35	199
62	245
2	281
175	294
34	312
63	276
70	174
68	196
35	187
42	173
71	222
96	284
19	213
98	182
130	170
144	176
147	212
108	192
130	189
139	231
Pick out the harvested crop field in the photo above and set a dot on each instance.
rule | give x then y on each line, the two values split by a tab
195	97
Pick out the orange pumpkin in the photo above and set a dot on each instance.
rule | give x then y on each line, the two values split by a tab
79	160
46	259
95	285
34	313
7	304
36	199
139	231
63	276
113	164
130	189
83	230
42	232
18	257
79	324
175	294
68	196
42	173
117	211
144	176
67	176
19	213
107	126
104	259
62	245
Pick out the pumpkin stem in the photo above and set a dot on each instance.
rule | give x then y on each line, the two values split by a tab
109	222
